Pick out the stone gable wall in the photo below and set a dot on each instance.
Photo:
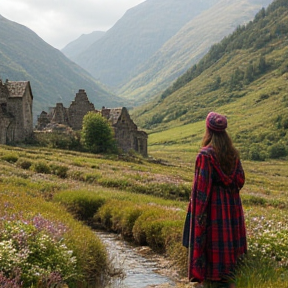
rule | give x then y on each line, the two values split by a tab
78	109
16	122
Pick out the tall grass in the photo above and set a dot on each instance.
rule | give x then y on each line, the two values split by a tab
117	194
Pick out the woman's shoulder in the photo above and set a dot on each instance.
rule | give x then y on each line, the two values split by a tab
206	150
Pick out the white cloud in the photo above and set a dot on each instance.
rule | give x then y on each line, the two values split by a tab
60	21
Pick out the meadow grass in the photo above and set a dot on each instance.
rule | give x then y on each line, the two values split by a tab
141	199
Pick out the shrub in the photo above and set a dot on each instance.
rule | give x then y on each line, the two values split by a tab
140	228
38	255
41	167
92	178
82	204
11	158
104	217
76	175
24	164
172	233
129	216
253	200
154	236
269	238
97	134
60	140
59	170
119	216
277	150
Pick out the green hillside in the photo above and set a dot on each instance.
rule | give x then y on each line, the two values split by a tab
144	200
245	76
54	78
188	46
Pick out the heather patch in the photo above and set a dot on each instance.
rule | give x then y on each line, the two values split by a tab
34	250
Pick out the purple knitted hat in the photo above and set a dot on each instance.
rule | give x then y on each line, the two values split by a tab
216	122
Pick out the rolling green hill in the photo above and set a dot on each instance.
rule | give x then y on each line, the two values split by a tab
188	46
245	77
54	78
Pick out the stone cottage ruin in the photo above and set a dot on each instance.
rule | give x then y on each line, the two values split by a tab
16	122
126	132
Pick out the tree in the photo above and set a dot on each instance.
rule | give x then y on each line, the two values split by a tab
97	134
249	73
262	64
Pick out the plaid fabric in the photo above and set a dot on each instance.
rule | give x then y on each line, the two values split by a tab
217	236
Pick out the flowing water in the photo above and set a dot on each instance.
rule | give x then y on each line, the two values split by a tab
139	271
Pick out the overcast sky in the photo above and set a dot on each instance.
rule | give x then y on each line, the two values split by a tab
59	22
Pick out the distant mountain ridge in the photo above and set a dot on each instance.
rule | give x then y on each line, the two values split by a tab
79	45
53	77
136	37
157	41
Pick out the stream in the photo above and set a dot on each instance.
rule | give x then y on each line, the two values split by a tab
139	271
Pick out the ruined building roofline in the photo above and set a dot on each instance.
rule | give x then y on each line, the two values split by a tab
17	88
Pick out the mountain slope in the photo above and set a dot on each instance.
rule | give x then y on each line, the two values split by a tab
245	76
53	77
137	36
76	47
188	46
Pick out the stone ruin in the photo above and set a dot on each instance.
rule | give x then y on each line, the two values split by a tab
16	121
127	135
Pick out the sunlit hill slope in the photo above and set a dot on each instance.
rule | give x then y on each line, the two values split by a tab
245	76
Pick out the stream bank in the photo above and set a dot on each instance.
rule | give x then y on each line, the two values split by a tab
142	268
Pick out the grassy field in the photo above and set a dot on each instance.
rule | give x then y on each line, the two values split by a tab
145	199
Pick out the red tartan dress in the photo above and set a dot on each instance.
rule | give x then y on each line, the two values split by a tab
217	229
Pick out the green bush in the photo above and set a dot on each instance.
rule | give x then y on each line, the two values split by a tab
11	158
76	175
41	167
277	150
129	216
119	216
141	227
60	140
115	183
97	134
92	178
253	200
59	170
81	204
172	233
24	164
256	154
104	215
154	236
37	255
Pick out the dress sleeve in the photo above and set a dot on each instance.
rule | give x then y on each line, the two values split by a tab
240	175
199	202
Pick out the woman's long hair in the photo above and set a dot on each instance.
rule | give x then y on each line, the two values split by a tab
223	147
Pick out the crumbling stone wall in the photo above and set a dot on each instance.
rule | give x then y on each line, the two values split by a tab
126	132
127	135
78	109
16	121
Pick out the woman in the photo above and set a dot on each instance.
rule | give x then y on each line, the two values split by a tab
217	235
